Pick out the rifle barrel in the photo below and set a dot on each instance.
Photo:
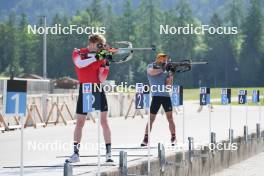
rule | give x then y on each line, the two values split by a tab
137	49
198	63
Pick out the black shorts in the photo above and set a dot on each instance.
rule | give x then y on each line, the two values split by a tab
157	101
103	101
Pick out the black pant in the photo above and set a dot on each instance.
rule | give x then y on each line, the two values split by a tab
157	101
103	101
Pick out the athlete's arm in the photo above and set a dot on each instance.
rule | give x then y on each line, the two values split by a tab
80	63
153	71
83	63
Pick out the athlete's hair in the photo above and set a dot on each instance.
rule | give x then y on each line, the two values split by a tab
160	57
97	38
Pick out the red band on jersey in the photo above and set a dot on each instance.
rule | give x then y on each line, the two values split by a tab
86	66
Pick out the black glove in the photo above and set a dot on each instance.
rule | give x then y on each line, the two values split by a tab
109	57
169	67
104	54
173	70
107	63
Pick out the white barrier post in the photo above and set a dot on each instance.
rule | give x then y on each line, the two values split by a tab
146	105
183	125
259	120
226	100
256	100
148	143
242	99
99	142
92	103
142	100
22	147
205	100
231	132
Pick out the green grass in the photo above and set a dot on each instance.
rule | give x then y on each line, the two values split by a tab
193	94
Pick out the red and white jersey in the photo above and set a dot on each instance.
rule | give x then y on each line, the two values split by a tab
88	69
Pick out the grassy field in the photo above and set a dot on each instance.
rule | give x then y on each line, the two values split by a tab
193	94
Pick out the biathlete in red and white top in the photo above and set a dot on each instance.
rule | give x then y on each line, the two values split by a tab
91	68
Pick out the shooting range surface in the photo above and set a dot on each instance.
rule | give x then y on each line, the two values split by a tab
125	133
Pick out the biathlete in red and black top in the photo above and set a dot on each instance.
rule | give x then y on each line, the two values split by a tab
91	68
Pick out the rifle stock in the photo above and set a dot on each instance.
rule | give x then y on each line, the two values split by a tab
183	66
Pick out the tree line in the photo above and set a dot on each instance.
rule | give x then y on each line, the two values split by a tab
234	60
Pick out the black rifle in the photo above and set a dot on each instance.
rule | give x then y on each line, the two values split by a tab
182	66
178	67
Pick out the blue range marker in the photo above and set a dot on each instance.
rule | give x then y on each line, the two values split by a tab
255	96
225	96
242	97
142	98
88	98
177	95
204	96
16	98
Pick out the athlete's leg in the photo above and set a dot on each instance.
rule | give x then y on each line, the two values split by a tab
106	128
172	127
166	103
171	122
80	121
152	119
154	108
146	135
167	106
200	108
104	121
